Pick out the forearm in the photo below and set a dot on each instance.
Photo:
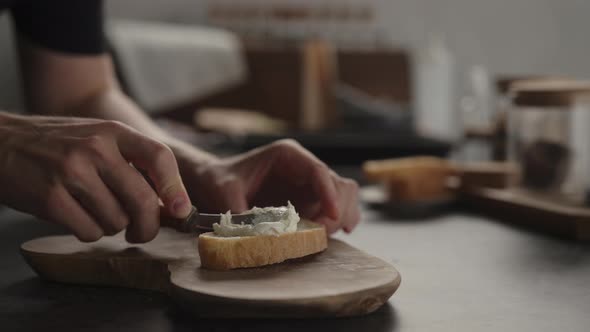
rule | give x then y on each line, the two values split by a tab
85	86
112	104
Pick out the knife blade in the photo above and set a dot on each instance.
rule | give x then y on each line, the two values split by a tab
197	222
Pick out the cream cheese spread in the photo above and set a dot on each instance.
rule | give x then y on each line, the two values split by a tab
267	221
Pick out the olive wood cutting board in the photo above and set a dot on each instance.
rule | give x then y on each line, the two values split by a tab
341	281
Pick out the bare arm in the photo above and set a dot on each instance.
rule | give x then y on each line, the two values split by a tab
85	86
80	172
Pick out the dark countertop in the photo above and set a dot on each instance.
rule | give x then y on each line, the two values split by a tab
459	273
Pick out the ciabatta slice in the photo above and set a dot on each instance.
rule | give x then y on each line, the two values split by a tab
224	253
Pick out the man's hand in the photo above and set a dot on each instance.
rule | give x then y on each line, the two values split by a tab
81	173
271	175
86	86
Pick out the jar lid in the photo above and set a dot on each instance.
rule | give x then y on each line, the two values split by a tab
505	82
558	92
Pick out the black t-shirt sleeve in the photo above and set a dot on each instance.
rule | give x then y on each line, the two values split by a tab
68	26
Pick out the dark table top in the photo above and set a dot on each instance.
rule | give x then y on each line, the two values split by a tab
459	273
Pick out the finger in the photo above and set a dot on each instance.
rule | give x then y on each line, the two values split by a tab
310	211
351	216
324	187
65	210
99	201
296	162
161	166
231	196
355	217
332	226
137	198
236	198
291	144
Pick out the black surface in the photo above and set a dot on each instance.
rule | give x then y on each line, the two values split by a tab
354	147
66	26
369	128
459	273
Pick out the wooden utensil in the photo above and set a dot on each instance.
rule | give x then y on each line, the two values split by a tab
341	281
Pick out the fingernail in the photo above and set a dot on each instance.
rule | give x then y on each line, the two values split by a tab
181	207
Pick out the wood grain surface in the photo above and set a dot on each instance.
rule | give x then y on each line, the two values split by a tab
341	281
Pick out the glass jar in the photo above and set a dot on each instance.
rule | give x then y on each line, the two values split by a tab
549	137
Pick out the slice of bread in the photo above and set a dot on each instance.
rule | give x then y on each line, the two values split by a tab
412	179
383	170
224	253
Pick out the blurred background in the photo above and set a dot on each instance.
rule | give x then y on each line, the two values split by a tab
350	79
436	107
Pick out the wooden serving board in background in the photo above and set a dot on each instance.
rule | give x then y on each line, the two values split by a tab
518	207
341	281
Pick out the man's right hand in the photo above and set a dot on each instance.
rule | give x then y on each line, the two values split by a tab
81	173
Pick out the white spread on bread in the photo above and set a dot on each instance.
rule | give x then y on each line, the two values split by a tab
267	221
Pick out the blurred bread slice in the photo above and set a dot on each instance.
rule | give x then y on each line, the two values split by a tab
416	179
412	179
225	253
238	122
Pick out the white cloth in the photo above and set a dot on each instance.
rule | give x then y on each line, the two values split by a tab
168	64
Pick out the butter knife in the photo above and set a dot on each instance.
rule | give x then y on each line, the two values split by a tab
197	222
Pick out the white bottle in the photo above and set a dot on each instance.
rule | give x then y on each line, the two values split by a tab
477	111
436	113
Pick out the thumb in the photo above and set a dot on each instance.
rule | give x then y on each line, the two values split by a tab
159	164
174	197
171	198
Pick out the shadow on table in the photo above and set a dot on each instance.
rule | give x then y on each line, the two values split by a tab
36	305
419	212
375	200
383	319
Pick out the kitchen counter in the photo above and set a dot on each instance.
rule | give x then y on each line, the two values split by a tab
460	272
